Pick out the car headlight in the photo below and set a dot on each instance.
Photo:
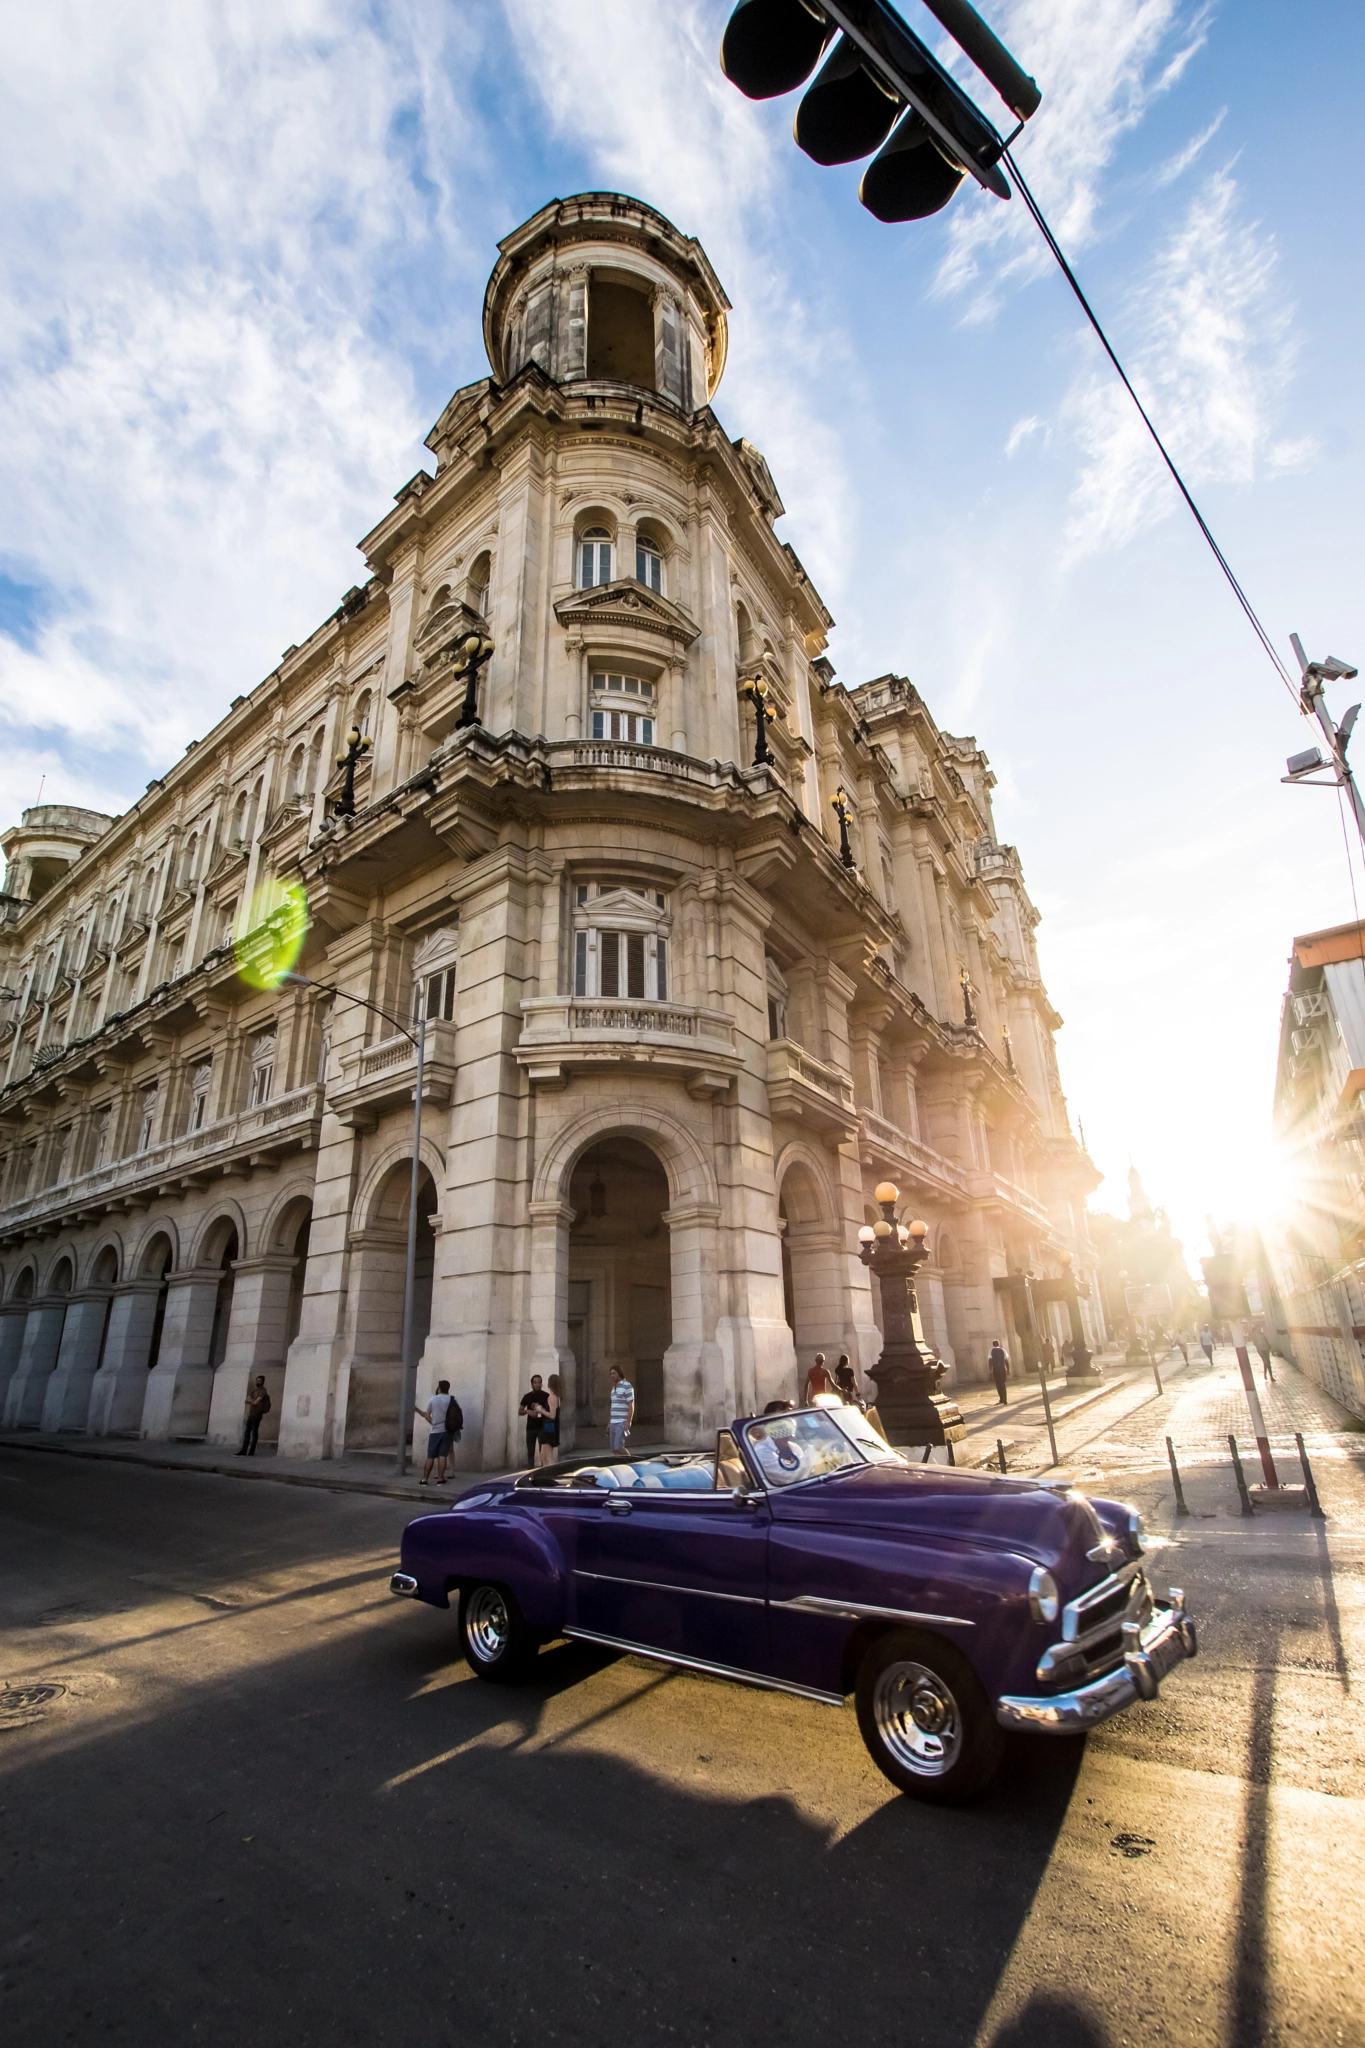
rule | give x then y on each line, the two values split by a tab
1044	1600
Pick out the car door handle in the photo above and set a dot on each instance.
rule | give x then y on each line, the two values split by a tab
617	1506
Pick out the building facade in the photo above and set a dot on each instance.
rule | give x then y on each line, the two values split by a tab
678	1028
1308	1279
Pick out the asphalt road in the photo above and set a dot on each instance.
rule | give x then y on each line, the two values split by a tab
268	1804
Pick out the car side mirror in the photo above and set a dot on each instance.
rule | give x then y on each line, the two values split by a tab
748	1496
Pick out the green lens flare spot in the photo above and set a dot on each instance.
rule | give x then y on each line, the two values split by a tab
271	934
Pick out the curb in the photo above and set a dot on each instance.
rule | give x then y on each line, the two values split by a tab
338	1484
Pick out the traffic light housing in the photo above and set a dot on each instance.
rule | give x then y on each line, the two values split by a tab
880	88
1227	1295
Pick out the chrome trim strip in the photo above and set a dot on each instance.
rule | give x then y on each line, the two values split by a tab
801	1692
404	1584
1163	1643
858	1610
661	1586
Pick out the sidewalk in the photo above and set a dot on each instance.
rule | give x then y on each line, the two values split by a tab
1021	1425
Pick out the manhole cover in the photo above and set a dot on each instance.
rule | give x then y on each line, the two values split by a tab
25	1699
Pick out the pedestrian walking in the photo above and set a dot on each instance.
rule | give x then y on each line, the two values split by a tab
533	1409
444	1419
1262	1343
1206	1343
1182	1345
999	1364
622	1410
547	1450
846	1384
254	1413
818	1380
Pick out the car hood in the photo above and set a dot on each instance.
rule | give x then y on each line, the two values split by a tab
1052	1525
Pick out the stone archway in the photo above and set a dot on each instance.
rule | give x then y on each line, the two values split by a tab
27	1396
620	1285
698	1393
813	1286
370	1381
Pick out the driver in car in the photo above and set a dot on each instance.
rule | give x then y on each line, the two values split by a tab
778	1451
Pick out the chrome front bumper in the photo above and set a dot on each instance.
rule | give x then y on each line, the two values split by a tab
1150	1651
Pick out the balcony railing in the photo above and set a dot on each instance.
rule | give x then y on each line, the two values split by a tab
812	1091
575	1032
286	1120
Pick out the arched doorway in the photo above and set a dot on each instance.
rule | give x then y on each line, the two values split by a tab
812	1279
375	1374
41	1344
222	1255
620	1284
155	1264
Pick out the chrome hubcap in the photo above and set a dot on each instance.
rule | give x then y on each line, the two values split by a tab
487	1624
918	1719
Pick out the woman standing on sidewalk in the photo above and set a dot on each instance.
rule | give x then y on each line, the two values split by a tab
547	1450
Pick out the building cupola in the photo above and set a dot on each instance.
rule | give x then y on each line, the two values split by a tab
603	289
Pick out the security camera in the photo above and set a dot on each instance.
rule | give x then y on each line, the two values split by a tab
1334	671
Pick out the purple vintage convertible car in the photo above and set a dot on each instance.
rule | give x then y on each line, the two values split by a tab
807	1556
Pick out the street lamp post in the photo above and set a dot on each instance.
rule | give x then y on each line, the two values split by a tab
839	806
357	747
757	694
1082	1363
908	1371
418	1040
474	650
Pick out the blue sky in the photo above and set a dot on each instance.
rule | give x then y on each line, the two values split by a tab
242	265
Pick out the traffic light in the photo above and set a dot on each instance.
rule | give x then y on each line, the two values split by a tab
880	88
1227	1296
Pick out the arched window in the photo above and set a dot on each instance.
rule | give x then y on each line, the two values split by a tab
239	819
364	705
649	563
315	758
594	558
480	576
190	867
298	771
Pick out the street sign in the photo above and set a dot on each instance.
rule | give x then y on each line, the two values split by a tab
1153	1299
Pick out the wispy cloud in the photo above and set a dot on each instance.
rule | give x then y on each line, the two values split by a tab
1177	165
1214	352
211	381
1101	64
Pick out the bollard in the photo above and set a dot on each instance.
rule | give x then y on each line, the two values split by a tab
1156	1375
1314	1504
1180	1506
1047	1411
1000	1447
1241	1477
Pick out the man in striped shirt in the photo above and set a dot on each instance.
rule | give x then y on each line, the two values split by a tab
622	1410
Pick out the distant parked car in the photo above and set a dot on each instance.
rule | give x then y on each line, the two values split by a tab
807	1556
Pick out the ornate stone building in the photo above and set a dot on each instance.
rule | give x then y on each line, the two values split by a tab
675	1038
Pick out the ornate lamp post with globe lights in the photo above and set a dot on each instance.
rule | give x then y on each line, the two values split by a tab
1082	1365
471	654
757	694
908	1372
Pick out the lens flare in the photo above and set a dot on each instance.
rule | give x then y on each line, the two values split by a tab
272	934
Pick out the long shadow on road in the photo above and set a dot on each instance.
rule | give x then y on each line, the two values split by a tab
350	1841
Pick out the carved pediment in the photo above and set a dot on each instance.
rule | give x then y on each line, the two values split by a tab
447	624
288	816
629	606
761	478
229	860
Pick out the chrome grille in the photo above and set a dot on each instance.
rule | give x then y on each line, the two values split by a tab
1092	1628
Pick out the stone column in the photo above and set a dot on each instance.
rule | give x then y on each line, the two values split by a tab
818	1301
180	1385
12	1320
369	1378
549	1306
119	1390
66	1404
257	1336
694	1376
37	1357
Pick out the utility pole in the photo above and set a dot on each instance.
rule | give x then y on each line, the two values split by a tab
1307	767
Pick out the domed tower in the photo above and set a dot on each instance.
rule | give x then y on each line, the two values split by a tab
592	517
604	289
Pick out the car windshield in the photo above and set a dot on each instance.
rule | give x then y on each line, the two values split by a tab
812	1443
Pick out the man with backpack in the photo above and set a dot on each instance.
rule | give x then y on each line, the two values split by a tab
445	1419
256	1409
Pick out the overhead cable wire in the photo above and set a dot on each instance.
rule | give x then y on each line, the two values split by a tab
1069	274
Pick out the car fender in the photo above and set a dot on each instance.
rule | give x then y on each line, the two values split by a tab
487	1542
